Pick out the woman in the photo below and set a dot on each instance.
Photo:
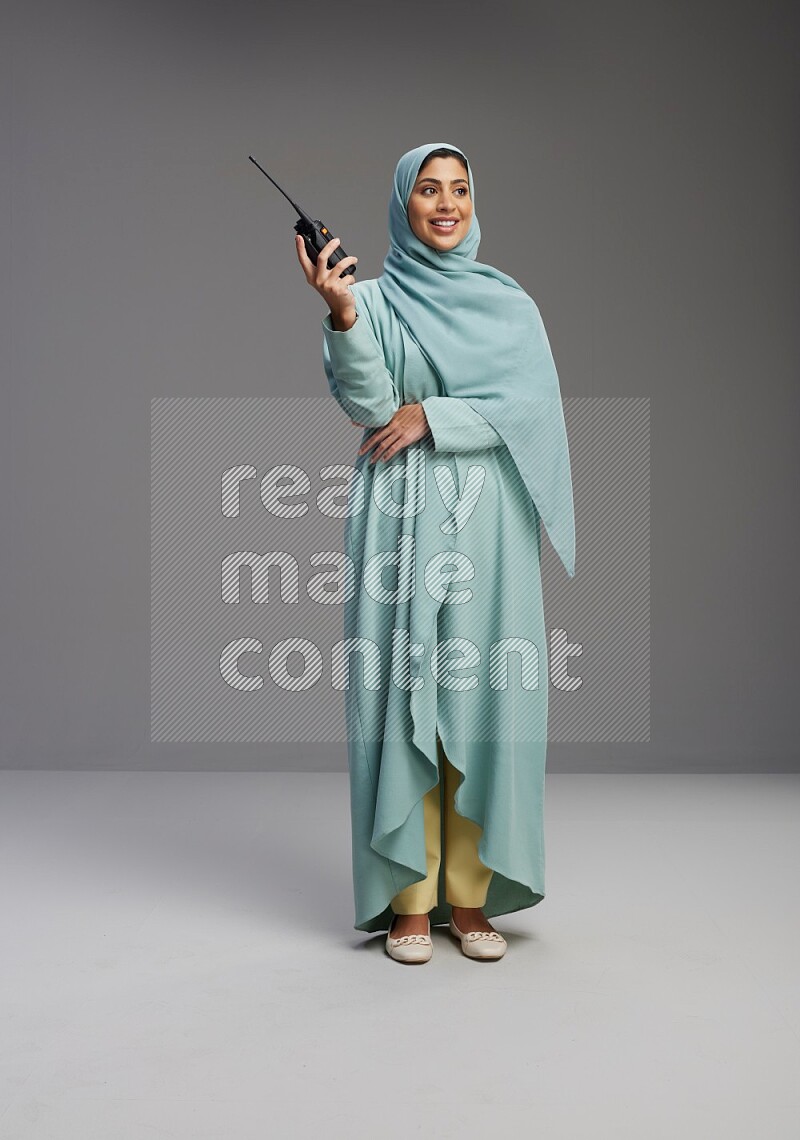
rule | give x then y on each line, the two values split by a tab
445	362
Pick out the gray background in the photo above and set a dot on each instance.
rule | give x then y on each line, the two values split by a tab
636	170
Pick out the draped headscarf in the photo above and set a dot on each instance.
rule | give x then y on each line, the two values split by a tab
484	336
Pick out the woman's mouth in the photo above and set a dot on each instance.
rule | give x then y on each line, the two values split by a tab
444	224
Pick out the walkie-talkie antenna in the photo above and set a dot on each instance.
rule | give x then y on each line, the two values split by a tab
302	213
316	236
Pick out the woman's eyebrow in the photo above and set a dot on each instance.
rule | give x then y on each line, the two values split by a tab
438	181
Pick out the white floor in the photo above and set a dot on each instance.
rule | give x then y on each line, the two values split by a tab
179	960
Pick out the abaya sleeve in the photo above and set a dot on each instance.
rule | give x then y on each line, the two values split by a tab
357	374
364	387
455	426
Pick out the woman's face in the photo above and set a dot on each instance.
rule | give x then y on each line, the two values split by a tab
441	195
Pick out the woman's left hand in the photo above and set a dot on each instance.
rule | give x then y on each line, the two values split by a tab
408	424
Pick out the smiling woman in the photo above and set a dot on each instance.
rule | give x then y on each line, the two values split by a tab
440	207
445	356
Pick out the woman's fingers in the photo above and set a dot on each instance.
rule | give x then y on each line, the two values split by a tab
302	256
407	425
319	270
343	264
329	247
322	260
328	282
392	446
373	440
331	280
383	442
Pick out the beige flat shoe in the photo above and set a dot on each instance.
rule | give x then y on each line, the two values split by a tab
484	944
411	947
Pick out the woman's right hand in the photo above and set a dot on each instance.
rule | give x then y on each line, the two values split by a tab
329	283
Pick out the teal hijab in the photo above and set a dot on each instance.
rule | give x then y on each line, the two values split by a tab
485	338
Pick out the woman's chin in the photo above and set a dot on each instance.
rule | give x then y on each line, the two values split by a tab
442	244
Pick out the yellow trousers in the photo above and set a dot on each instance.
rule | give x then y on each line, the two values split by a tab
466	878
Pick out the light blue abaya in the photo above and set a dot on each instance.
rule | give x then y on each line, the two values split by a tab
444	629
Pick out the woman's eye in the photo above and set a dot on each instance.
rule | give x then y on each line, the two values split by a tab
459	190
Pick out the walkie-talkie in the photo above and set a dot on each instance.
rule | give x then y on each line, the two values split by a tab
314	234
